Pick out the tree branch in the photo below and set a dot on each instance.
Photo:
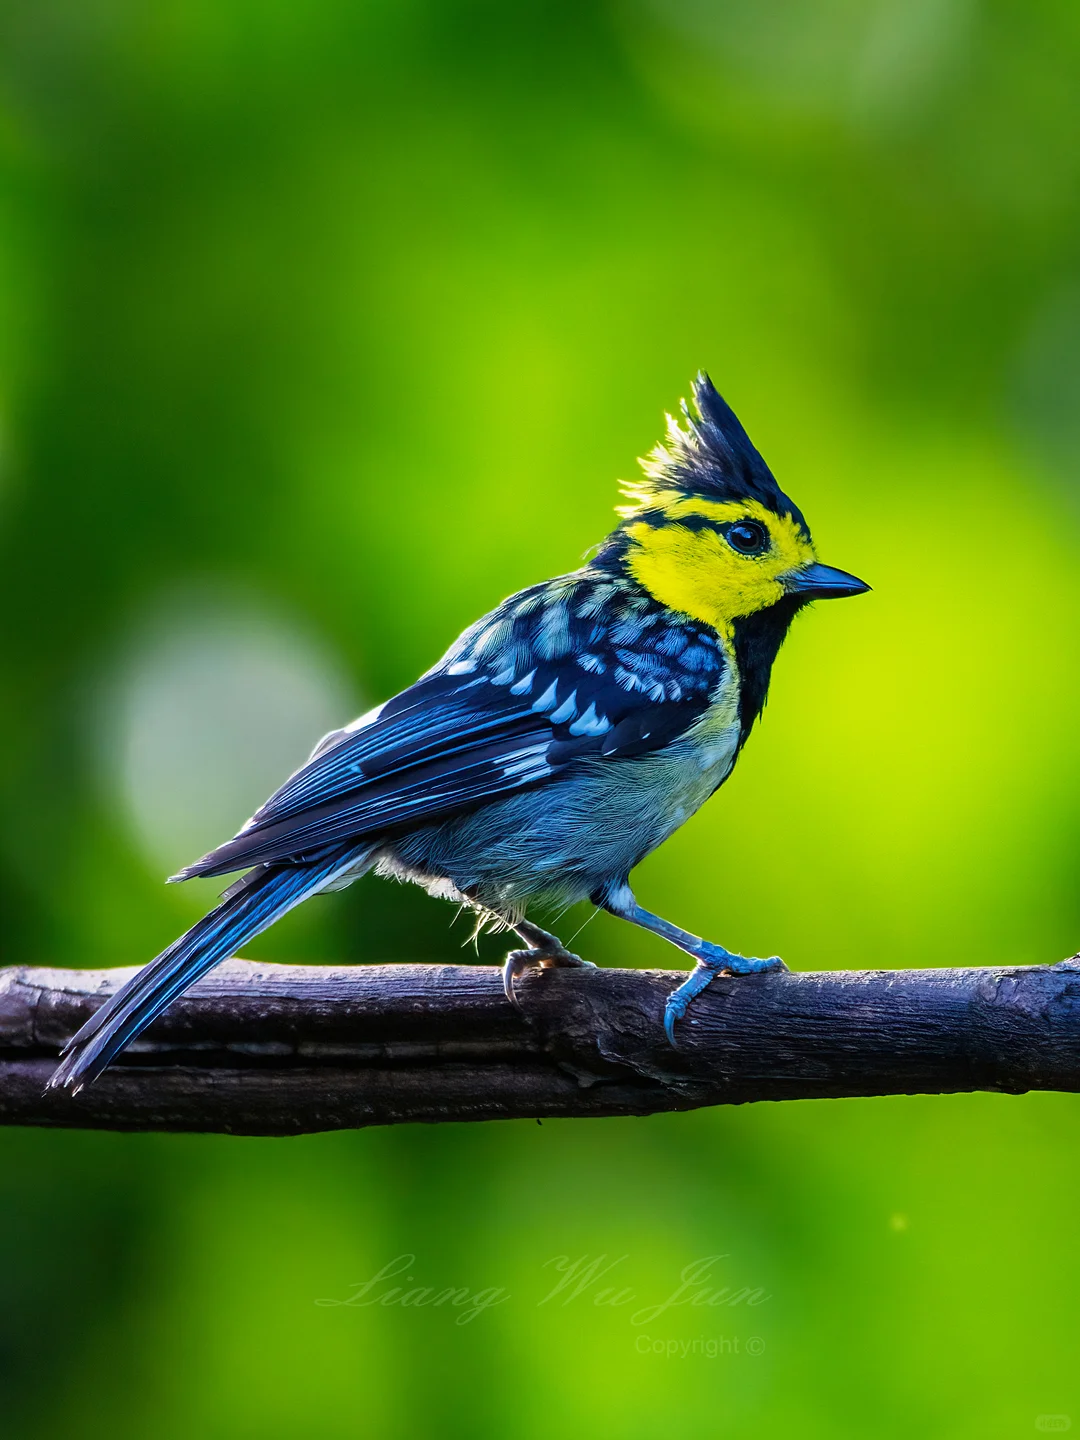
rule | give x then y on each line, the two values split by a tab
281	1050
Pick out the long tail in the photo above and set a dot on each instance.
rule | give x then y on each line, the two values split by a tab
248	907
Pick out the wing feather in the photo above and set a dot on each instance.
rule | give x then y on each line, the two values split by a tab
530	690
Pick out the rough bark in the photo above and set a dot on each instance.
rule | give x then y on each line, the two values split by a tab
281	1050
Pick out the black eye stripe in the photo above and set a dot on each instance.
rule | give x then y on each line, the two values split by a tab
660	520
745	536
697	523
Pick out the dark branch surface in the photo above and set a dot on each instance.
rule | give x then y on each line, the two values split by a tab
281	1050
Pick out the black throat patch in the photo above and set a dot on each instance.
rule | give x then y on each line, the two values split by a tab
758	639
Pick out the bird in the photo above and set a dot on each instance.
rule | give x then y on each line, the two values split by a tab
561	738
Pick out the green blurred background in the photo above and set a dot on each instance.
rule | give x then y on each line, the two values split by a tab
322	327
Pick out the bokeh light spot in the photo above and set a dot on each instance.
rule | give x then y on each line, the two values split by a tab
213	706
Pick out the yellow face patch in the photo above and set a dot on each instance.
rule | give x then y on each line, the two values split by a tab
698	571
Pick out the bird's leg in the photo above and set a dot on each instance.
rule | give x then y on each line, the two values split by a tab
545	951
712	960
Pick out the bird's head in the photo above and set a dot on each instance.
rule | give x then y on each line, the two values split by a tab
708	531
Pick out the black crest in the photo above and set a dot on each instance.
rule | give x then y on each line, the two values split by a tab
712	457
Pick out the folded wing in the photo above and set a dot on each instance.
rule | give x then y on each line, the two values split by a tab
490	719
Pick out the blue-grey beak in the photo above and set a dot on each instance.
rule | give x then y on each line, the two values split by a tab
822	582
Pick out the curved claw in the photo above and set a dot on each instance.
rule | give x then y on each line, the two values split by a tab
715	961
519	960
516	962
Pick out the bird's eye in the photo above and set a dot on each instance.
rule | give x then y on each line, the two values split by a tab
748	537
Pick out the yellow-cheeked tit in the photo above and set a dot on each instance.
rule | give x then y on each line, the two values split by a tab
558	741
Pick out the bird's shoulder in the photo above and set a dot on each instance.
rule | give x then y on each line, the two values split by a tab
582	665
580	669
597	629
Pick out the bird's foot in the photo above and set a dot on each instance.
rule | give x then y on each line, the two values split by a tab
548	958
712	960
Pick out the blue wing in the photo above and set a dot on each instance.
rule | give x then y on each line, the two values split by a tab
574	668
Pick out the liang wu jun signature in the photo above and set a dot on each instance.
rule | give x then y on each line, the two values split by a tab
577	1280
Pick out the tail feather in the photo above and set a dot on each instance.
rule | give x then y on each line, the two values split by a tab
246	910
